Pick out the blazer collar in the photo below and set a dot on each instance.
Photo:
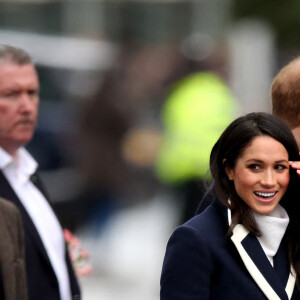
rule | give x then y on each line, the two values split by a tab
259	267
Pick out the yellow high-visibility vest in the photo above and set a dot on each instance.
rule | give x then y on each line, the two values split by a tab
194	115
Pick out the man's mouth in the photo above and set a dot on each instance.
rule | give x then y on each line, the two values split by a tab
25	122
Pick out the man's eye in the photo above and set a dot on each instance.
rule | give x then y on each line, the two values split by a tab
11	94
33	92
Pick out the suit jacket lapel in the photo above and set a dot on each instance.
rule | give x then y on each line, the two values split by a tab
259	266
29	228
281	264
35	179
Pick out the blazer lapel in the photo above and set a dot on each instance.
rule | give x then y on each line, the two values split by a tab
259	267
280	262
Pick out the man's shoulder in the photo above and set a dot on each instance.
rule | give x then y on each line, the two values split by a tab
8	209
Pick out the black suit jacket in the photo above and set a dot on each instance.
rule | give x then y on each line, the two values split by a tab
41	278
202	263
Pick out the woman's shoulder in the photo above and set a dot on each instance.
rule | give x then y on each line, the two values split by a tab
211	222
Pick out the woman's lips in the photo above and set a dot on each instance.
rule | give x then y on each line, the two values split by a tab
265	197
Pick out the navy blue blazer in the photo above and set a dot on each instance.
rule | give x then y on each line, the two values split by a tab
41	279
201	262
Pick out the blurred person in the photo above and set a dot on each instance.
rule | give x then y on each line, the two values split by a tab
13	284
49	271
104	121
245	245
285	96
198	106
197	109
118	135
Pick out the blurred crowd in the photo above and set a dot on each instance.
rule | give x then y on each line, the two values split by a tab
124	126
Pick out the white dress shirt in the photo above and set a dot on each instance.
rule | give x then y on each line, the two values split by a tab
18	171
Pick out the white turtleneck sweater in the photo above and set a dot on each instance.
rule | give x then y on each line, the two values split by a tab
272	228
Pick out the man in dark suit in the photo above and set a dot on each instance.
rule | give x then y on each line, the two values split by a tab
49	272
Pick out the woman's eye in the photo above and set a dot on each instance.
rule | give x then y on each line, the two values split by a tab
280	167
254	167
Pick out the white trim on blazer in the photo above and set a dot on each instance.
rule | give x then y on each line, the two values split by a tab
238	235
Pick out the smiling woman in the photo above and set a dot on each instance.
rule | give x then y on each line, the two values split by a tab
261	174
245	245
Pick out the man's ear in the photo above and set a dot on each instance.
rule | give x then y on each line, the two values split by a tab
228	170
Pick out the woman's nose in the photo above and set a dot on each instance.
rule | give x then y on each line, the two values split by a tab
268	178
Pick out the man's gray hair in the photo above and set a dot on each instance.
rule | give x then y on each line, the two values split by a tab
10	54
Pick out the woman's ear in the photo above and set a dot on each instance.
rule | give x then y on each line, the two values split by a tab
228	170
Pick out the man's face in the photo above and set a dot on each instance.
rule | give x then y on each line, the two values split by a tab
19	101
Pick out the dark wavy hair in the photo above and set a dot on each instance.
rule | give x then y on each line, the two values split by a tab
230	146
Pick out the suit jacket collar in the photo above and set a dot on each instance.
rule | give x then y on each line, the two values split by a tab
22	155
275	285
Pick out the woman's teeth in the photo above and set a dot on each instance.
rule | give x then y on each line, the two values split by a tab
265	195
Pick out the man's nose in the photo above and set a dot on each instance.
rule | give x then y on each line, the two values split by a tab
26	102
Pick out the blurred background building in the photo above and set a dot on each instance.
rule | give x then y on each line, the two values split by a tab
107	69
